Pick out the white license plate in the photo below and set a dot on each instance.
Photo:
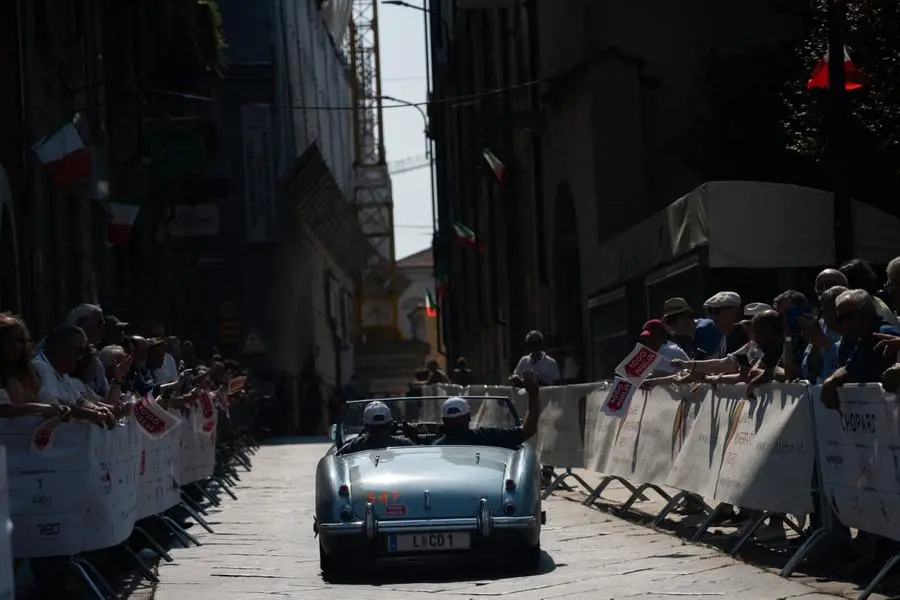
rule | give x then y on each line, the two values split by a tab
429	542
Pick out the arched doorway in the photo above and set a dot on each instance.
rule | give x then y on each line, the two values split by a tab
567	269
10	299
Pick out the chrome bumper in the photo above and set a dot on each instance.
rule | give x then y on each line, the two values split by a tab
484	523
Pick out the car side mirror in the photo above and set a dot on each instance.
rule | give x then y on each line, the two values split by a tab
333	433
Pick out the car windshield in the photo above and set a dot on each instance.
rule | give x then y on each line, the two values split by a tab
425	413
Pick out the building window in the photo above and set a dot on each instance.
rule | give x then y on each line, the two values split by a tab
609	332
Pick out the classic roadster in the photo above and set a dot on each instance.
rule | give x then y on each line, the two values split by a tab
406	501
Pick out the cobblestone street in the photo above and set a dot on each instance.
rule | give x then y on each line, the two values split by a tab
264	548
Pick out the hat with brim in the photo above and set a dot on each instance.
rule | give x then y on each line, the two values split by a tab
675	306
723	300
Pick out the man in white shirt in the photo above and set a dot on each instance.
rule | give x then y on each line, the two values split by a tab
89	317
63	347
536	360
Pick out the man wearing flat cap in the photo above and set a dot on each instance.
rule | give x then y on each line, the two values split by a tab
699	338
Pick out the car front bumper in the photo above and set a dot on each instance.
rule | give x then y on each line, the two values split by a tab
370	528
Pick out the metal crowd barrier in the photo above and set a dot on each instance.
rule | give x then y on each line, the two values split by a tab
77	489
720	449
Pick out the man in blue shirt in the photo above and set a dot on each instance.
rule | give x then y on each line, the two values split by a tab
858	316
699	338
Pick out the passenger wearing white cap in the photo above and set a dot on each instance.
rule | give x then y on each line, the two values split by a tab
378	432
456	417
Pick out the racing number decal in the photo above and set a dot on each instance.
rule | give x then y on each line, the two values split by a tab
383	497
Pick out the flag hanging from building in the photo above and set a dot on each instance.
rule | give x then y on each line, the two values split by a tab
64	156
466	236
496	165
431	309
820	79
441	281
123	213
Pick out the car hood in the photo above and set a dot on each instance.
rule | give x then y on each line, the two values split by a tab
454	477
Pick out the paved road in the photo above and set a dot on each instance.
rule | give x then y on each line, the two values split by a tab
263	548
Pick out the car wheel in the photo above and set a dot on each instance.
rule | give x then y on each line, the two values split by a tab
332	567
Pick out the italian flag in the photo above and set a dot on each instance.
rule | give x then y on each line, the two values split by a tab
64	156
442	282
820	80
466	236
123	212
496	165
431	309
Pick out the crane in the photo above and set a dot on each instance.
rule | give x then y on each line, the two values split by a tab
411	163
376	306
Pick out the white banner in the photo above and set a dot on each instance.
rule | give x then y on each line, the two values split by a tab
859	452
750	452
76	495
159	472
7	581
198	452
559	440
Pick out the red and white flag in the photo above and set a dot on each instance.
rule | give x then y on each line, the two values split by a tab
639	364
821	80
619	398
154	420
64	156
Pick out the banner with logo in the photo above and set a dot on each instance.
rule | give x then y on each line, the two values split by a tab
859	453
204	418
159	470
76	495
750	452
153	420
7	581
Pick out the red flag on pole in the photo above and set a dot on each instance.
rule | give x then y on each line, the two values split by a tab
819	80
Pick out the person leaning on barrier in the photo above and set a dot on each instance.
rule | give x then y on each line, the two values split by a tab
821	357
868	361
378	432
20	385
457	420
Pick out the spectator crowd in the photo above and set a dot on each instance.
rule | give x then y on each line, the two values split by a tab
93	366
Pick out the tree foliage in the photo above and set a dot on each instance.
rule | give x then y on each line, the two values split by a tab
762	123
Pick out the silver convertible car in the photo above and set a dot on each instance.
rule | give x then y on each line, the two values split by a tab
422	499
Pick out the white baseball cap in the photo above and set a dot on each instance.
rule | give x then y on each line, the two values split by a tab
754	308
377	413
455	407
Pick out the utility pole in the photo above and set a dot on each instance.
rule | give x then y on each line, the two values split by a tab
839	107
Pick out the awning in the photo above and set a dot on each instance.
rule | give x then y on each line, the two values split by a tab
747	225
310	187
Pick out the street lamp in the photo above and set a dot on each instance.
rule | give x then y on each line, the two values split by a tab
421	112
405	4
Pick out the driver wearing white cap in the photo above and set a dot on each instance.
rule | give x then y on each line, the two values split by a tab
456	418
378	432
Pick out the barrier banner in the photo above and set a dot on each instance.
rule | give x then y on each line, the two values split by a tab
750	452
198	452
159	469
859	455
559	440
599	430
206	424
76	495
7	581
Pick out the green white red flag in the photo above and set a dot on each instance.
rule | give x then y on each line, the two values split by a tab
122	214
431	307
64	156
496	165
467	237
